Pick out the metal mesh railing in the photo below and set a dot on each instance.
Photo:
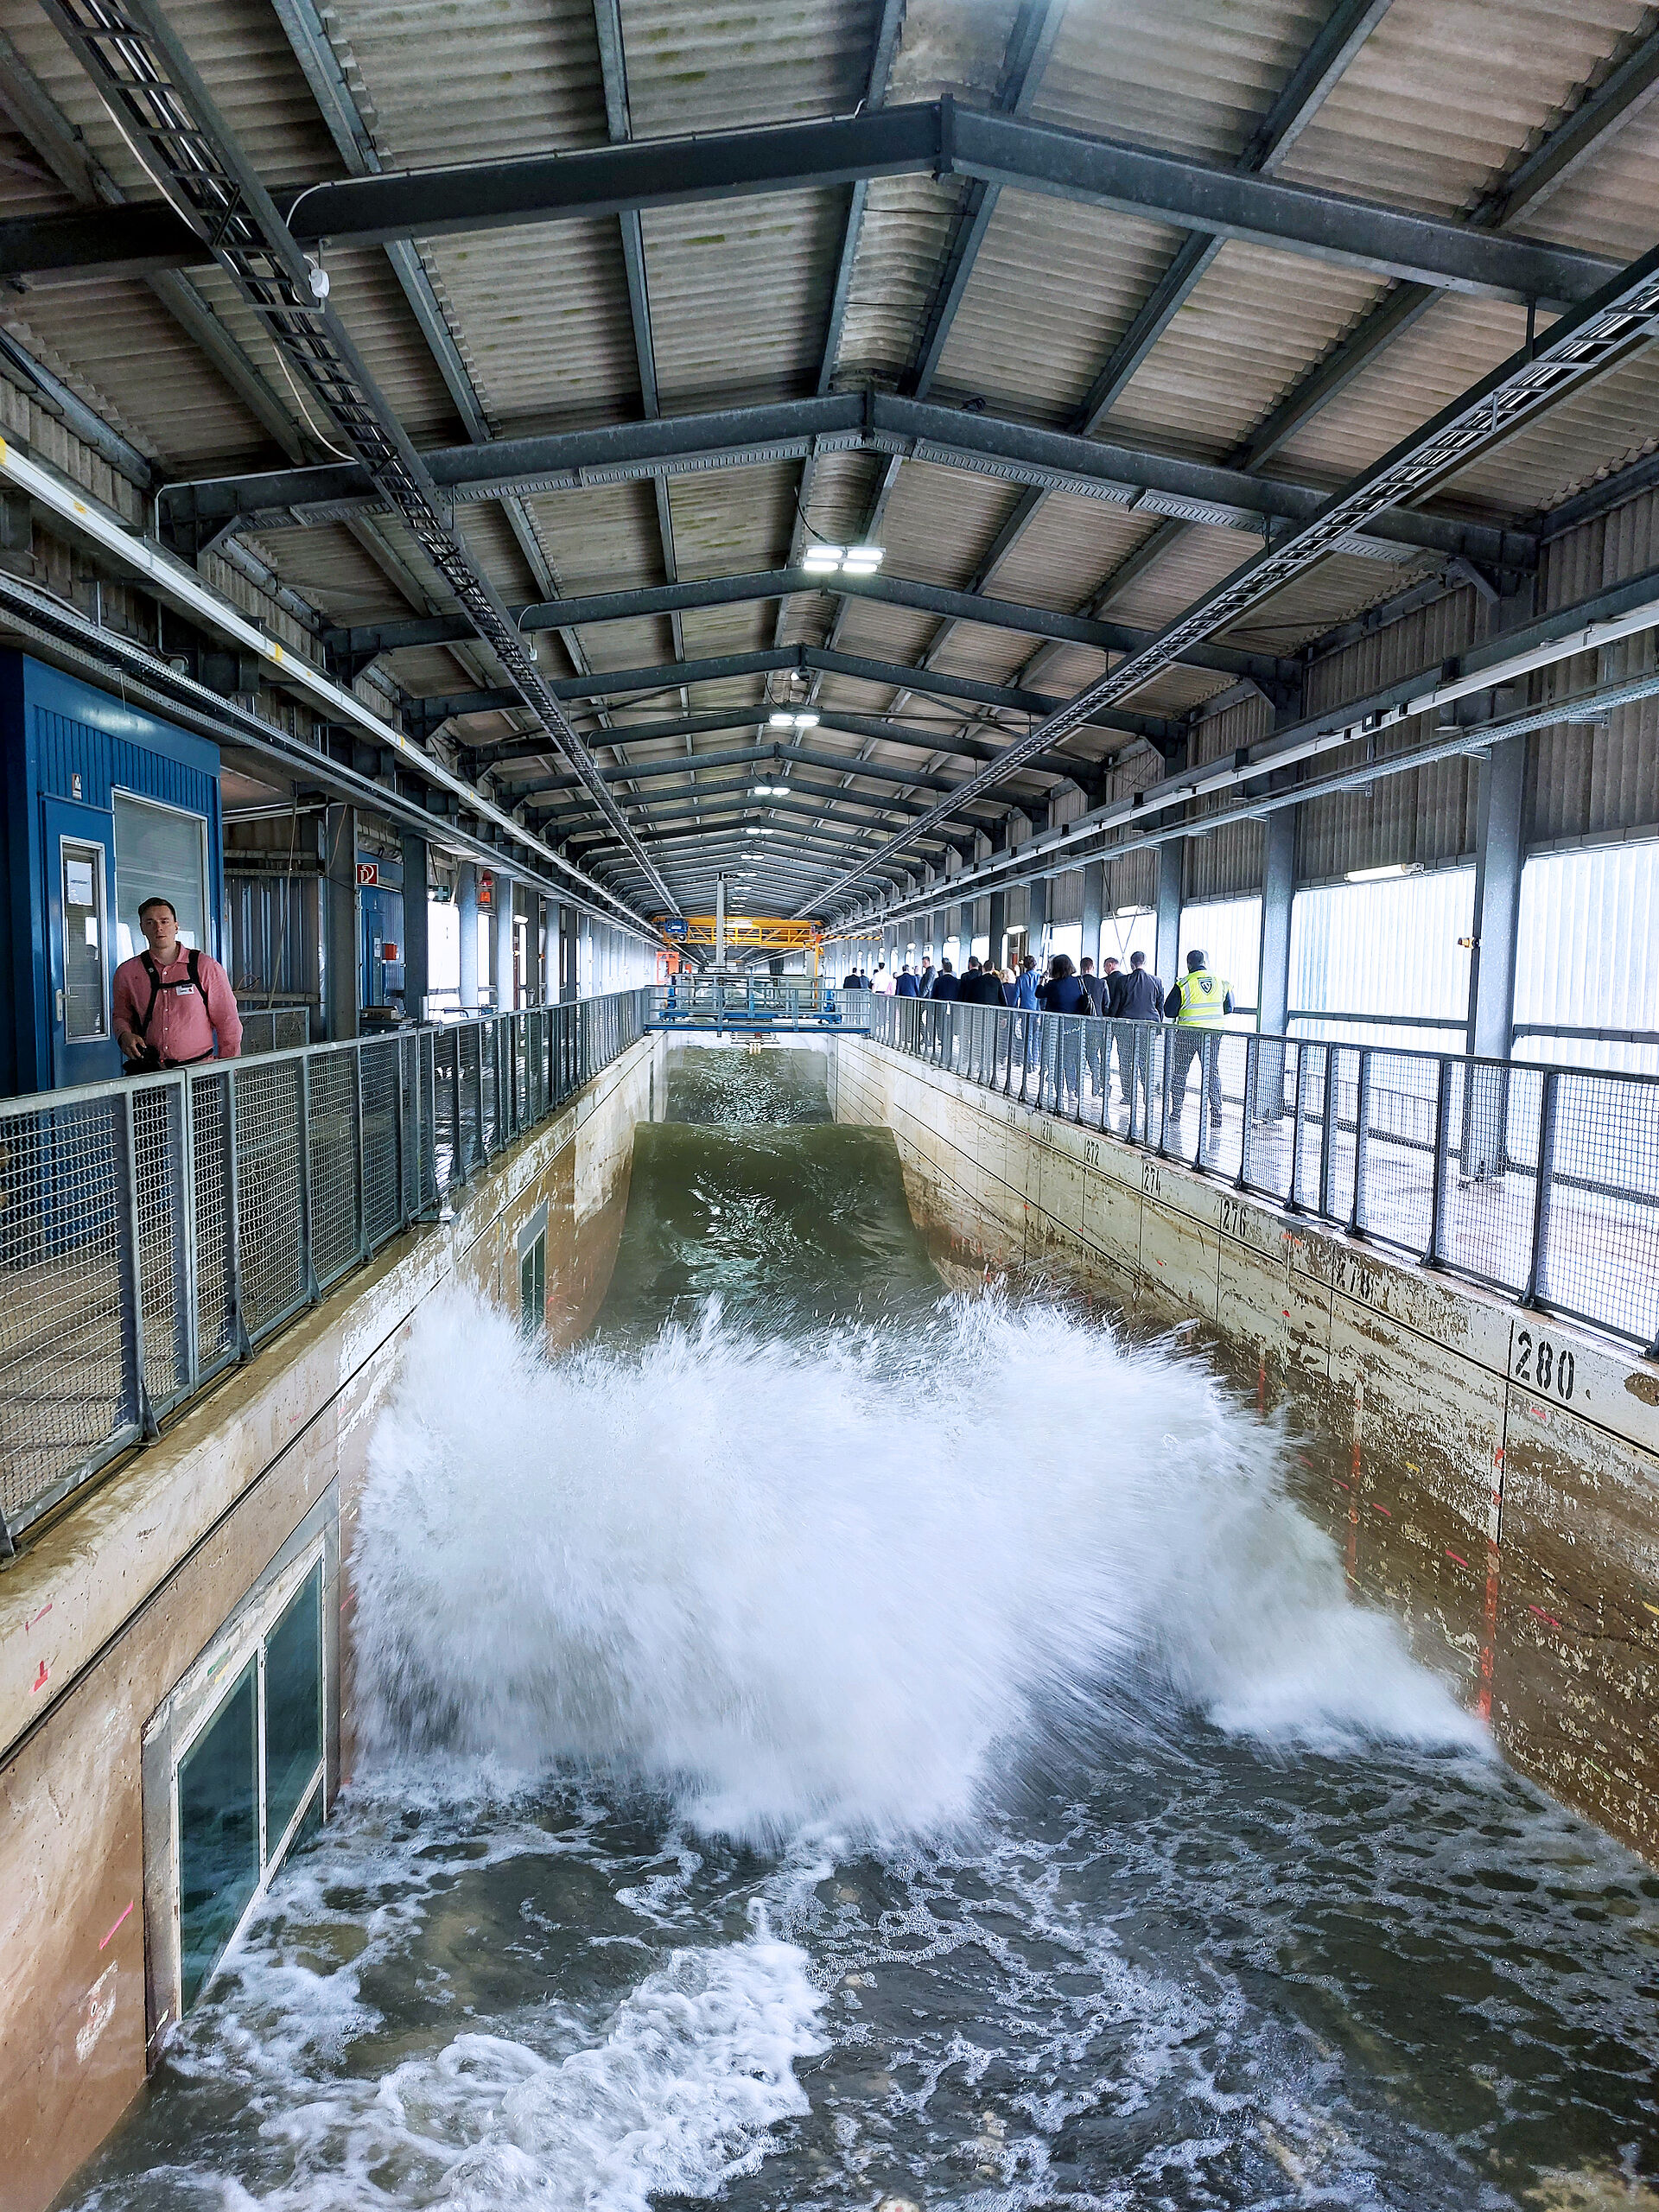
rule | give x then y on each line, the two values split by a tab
1539	1182
153	1231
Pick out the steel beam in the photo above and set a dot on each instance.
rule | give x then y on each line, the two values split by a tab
1020	453
770	660
917	736
891	591
939	138
1031	42
1577	349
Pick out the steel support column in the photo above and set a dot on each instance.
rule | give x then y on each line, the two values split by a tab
341	992
418	973
1094	910
1171	865
1499	851
467	918
1278	891
997	927
501	974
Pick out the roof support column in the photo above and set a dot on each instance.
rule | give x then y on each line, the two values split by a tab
1094	910
340	987
502	977
418	936
466	913
1500	852
997	928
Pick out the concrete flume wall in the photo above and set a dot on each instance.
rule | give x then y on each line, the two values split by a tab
107	1608
1492	1475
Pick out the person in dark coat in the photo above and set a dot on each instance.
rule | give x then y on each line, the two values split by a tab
1137	995
925	980
906	987
1064	992
982	986
947	984
1094	1044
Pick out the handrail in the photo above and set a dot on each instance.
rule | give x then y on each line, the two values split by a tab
155	1229
1537	1181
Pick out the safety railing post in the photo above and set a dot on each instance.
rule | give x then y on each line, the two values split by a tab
1168	1036
308	1262
1247	1110
233	1215
1361	1142
458	1139
186	1294
478	1086
1209	1072
1433	1256
128	1237
1328	1146
1298	1127
356	1052
1537	1289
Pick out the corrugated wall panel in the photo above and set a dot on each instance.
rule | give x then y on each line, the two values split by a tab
1587	952
1227	863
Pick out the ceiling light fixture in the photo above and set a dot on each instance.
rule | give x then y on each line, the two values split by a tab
850	560
807	721
1386	874
780	721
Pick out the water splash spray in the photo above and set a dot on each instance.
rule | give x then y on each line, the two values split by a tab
845	1583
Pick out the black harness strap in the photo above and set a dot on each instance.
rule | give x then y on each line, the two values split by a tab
154	975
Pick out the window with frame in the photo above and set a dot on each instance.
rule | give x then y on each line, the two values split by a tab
532	1274
248	1782
160	852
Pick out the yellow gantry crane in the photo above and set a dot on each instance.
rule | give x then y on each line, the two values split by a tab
745	933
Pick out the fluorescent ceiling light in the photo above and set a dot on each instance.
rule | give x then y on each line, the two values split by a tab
780	721
1129	913
1385	874
823	559
807	722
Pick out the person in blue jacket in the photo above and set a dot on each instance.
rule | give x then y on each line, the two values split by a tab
906	987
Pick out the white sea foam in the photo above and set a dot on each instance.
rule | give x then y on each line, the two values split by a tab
845	1582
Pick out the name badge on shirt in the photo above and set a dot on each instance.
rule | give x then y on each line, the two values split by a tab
181	990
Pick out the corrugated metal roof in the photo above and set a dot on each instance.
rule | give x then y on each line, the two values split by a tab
1445	99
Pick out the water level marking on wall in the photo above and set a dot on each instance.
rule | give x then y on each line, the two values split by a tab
1549	1367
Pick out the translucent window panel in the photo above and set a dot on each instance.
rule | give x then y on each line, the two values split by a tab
1228	932
1123	934
1586	956
1385	948
219	1832
85	1010
159	853
293	1705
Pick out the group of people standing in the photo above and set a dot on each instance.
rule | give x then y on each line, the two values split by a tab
1197	1005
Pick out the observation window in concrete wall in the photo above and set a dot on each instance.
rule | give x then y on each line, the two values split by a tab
244	1775
532	1273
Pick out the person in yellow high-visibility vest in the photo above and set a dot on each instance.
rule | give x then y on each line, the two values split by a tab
1196	1006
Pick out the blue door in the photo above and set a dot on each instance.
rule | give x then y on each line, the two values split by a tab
76	844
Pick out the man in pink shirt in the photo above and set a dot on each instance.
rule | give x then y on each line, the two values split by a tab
170	1000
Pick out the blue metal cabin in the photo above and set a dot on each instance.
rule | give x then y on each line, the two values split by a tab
102	805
